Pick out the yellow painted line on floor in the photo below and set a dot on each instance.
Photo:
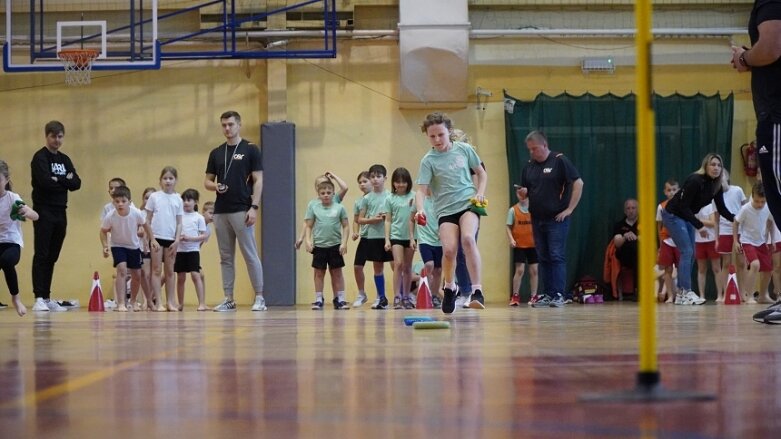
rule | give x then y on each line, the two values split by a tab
68	386
78	383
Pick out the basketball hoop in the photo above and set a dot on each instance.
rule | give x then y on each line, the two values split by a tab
78	65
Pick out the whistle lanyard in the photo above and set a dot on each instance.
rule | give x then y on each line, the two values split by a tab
228	167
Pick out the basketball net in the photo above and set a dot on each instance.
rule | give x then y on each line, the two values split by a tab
78	65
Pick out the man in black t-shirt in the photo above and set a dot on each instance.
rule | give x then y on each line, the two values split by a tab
235	172
554	187
763	60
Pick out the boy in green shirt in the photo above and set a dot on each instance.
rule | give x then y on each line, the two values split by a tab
327	230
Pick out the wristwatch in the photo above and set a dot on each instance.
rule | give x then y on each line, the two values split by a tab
255	206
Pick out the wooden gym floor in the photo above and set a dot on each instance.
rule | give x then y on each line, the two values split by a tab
293	372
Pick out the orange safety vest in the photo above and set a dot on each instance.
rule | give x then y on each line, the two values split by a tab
522	229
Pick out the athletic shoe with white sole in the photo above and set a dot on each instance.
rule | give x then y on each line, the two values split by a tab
760	316
360	300
340	304
260	304
477	300
380	303
227	305
40	305
450	300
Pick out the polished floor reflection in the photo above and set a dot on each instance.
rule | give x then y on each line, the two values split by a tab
290	373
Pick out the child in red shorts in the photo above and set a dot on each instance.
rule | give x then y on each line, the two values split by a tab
755	223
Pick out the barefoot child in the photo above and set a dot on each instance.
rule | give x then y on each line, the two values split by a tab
12	212
164	214
123	223
144	283
188	255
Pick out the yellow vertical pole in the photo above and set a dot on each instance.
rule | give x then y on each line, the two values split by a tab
646	189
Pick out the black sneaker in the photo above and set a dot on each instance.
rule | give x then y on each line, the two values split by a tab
449	302
340	304
477	301
760	316
68	303
317	305
3	305
773	318
381	303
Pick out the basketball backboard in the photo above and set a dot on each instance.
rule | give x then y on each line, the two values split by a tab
124	32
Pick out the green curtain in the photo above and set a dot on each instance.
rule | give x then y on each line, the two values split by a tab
598	134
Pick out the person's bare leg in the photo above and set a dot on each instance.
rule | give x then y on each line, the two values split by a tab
120	287
170	280
199	291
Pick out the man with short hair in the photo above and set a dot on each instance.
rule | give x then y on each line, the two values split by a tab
53	176
763	60
554	188
235	172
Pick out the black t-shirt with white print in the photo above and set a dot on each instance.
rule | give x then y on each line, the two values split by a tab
233	165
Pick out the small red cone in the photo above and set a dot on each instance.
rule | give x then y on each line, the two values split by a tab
424	293
96	297
732	292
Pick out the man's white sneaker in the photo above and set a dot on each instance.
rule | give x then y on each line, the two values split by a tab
40	305
681	299
360	300
110	304
694	299
462	302
260	304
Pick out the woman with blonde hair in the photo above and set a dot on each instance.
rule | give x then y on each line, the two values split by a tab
702	187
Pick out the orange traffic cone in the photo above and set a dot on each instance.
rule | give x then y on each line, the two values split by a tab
732	292
96	296
424	293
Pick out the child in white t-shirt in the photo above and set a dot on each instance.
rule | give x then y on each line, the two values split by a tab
11	242
188	255
125	247
734	199
754	223
164	214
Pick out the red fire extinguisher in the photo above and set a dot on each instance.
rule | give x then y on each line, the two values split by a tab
750	164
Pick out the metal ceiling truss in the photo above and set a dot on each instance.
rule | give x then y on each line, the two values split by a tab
144	48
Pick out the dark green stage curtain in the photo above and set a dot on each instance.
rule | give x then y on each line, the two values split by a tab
598	134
